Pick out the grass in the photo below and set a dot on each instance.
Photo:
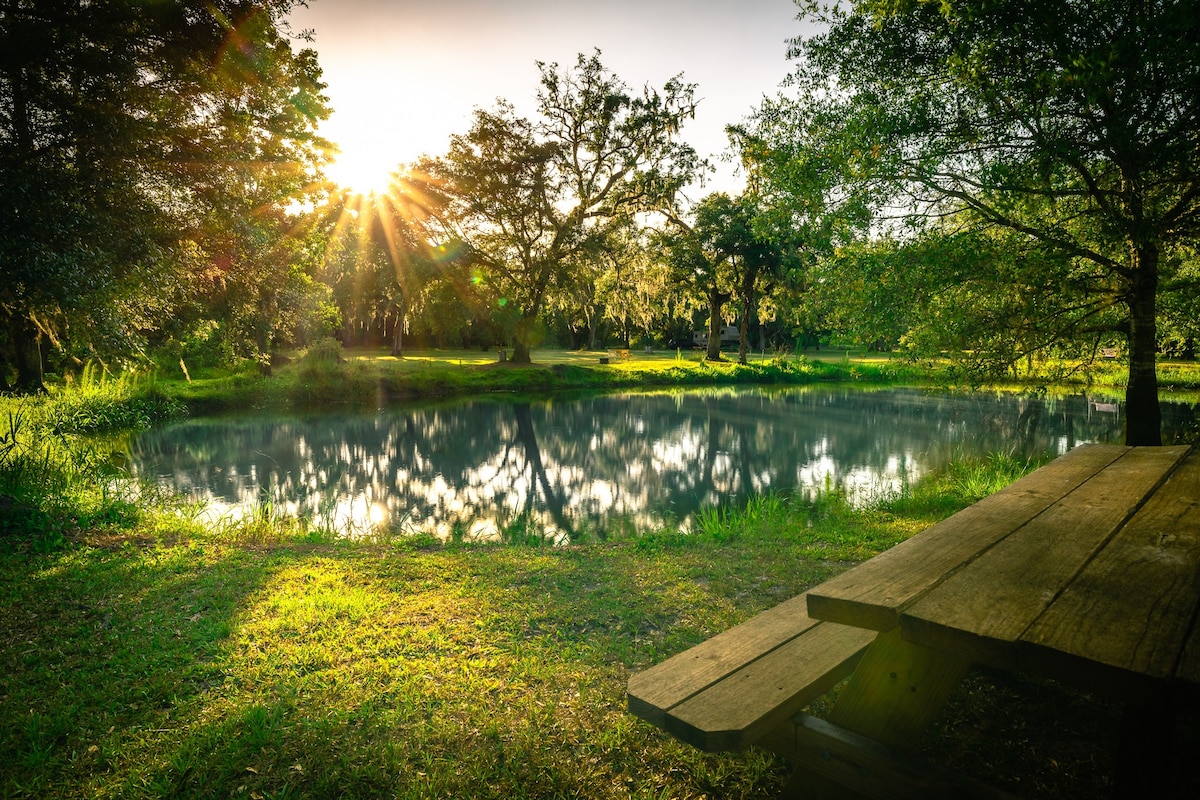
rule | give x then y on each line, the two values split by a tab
364	377
62	457
327	375
164	659
147	655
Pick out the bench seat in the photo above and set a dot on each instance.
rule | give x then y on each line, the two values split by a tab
728	691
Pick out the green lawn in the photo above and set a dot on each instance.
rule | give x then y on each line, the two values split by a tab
163	660
145	656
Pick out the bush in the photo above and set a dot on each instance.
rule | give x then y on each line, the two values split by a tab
323	353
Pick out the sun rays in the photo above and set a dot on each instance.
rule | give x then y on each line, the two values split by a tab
400	219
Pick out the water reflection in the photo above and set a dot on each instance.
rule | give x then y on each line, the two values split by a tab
581	466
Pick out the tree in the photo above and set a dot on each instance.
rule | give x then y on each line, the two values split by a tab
726	253
528	195
1070	125
634	286
126	130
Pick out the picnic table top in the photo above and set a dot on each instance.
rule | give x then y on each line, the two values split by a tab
1086	570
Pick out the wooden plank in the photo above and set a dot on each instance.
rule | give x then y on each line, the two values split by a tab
864	766
896	690
982	609
1128	613
652	692
873	594
735	712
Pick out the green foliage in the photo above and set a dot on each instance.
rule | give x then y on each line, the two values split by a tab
530	197
1006	129
148	145
57	475
97	402
323	353
52	486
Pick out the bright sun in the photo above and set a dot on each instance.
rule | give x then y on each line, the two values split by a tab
363	169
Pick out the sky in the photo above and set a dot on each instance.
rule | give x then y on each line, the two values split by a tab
403	75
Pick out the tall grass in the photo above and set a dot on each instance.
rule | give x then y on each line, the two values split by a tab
100	402
196	668
829	525
62	463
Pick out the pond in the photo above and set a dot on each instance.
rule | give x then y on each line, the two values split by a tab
592	466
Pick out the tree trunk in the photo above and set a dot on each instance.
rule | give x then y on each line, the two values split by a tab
398	339
716	299
27	356
749	278
398	331
1143	422
522	346
5	388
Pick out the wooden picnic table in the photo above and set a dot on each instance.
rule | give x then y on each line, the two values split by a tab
1086	571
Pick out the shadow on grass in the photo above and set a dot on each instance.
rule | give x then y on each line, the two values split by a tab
351	671
103	647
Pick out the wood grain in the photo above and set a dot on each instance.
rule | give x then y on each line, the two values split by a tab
1133	605
873	594
651	692
982	609
735	712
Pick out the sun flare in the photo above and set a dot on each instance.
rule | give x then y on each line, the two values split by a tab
363	170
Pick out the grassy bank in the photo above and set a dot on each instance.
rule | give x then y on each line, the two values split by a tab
326	375
62	458
148	656
159	660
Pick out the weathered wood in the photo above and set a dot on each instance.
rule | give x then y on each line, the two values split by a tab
667	684
866	767
1122	622
983	608
735	712
896	690
1087	570
873	594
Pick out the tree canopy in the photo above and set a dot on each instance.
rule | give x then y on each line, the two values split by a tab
1069	125
528	196
143	144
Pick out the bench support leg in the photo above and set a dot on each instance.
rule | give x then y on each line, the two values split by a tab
897	689
1143	766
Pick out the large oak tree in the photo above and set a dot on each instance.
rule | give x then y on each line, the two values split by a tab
528	195
144	144
1071	125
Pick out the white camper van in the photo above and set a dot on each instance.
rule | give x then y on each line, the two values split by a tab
729	335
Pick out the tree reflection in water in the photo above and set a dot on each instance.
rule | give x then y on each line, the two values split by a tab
584	466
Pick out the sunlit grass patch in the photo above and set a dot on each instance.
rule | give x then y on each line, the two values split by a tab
372	377
203	667
488	671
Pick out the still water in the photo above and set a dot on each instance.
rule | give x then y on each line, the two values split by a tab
592	465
